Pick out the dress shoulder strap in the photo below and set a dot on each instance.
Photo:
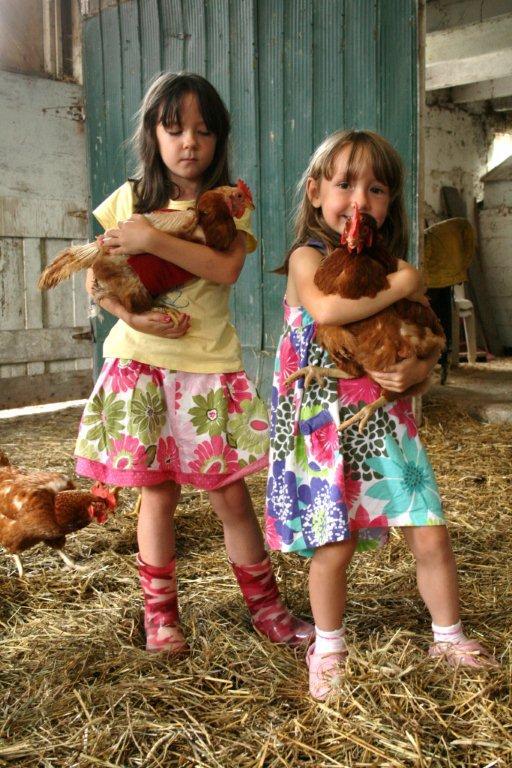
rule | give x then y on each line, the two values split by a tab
316	244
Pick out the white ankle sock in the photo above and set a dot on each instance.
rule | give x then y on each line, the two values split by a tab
332	641
452	634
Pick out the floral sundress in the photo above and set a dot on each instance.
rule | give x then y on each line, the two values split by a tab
324	484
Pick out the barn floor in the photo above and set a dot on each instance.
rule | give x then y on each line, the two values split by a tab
77	689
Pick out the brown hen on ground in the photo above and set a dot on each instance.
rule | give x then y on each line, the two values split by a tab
44	507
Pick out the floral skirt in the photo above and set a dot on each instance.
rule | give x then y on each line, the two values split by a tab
144	425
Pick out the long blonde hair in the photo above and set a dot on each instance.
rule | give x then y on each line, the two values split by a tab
366	146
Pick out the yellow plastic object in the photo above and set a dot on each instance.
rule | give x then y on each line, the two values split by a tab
449	248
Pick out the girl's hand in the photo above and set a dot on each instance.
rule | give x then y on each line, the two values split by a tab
420	297
131	236
158	324
404	374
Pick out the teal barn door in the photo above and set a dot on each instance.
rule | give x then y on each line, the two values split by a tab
290	72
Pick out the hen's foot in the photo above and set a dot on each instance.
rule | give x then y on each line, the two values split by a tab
363	415
170	312
316	373
19	565
70	562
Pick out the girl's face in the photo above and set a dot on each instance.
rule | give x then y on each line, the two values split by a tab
336	196
187	148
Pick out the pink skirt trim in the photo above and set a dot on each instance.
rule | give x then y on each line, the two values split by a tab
141	478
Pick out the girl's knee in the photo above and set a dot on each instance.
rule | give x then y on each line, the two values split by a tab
430	542
168	492
335	556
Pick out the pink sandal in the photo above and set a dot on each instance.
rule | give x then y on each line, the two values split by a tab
469	653
325	672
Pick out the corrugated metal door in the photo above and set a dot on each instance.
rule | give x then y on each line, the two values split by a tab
290	72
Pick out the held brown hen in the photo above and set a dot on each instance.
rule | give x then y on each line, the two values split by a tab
44	507
359	267
136	280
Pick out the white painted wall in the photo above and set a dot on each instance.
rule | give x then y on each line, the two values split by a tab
43	207
455	155
443	14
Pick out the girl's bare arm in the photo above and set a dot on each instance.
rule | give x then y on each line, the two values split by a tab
334	310
138	236
404	374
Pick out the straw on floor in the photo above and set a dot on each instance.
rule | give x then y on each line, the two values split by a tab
78	690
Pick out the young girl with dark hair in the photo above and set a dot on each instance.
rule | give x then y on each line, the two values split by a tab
172	404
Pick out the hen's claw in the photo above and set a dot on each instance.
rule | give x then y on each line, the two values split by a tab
363	415
317	373
172	313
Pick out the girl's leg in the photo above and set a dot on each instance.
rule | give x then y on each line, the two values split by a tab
252	567
157	568
328	595
328	583
436	573
155	527
242	533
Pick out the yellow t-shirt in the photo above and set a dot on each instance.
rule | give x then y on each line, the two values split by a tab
211	344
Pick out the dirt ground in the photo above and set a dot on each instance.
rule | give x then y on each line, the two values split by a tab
77	689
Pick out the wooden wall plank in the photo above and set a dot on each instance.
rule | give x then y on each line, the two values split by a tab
33	264
39	344
218	54
173	35
12	300
94	97
151	61
131	75
113	84
48	388
397	42
360	62
43	217
328	68
298	85
195	42
273	243
12	309
246	304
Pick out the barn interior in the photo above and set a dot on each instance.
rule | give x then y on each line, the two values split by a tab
78	689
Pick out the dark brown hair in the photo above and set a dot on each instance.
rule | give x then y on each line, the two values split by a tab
162	104
366	147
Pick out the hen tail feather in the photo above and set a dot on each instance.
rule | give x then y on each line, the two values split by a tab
69	261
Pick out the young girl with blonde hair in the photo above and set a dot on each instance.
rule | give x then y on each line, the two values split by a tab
329	491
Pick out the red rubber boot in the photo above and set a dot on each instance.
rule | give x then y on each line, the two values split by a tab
270	617
161	615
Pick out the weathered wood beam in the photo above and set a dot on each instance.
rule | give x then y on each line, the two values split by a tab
43	344
47	388
469	54
42	217
490	89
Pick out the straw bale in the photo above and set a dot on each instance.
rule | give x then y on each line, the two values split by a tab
77	689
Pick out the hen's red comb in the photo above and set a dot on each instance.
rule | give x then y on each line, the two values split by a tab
246	191
104	492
